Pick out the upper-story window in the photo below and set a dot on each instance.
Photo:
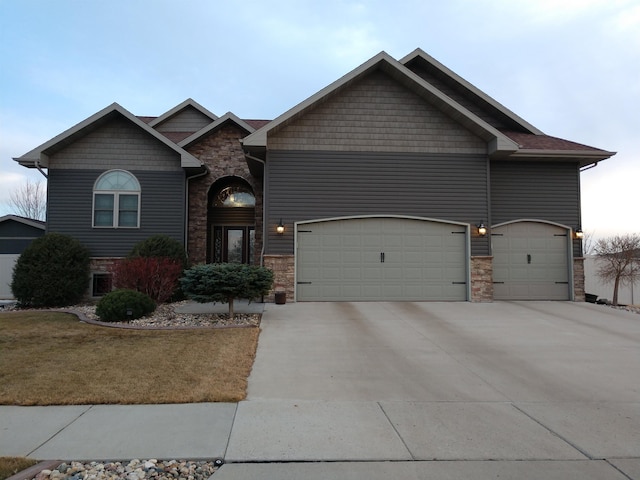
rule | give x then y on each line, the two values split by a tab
116	200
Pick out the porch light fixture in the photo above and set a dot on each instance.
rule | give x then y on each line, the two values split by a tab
579	233
482	229
280	228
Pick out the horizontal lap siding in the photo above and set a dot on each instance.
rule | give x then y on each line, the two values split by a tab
313	185
70	210
541	191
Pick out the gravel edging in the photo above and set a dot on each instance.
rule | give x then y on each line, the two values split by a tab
163	318
121	470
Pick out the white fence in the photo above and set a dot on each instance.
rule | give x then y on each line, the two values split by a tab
7	261
627	294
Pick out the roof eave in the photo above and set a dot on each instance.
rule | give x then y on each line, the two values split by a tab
27	221
38	157
227	117
583	157
419	53
189	102
259	137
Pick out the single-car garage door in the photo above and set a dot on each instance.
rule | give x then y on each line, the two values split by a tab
376	259
530	261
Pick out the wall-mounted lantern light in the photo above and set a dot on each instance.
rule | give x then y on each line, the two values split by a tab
482	229
280	228
579	233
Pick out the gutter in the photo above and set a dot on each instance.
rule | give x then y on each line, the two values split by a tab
588	167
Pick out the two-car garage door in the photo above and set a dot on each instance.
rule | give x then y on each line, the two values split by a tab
376	259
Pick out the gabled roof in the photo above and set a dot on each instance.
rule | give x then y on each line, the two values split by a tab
227	117
424	60
522	140
39	156
188	103
498	142
26	221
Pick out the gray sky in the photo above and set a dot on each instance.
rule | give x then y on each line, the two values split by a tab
570	67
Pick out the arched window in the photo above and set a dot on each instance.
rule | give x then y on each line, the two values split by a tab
235	195
116	200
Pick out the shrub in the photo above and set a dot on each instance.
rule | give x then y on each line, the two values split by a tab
155	277
160	246
223	282
52	272
115	306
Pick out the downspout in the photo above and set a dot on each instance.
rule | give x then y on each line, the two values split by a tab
264	230
186	208
37	163
588	167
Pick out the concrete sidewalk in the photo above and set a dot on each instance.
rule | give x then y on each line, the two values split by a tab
366	391
279	439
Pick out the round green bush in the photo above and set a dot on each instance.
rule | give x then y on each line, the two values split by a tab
52	272
160	246
121	305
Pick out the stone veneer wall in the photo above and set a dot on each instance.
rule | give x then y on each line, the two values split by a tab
283	267
222	153
578	279
99	265
481	279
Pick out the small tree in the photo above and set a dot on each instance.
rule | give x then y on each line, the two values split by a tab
619	260
224	282
52	272
30	200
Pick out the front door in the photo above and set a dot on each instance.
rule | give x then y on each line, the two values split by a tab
233	244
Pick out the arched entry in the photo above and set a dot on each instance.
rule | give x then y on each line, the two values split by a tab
231	221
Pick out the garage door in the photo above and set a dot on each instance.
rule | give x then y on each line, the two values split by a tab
375	259
530	262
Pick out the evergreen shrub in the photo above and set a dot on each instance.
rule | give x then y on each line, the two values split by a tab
122	304
53	271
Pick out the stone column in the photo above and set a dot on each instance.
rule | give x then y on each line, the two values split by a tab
482	279
283	267
578	279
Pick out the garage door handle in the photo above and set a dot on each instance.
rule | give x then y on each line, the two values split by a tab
528	258
381	257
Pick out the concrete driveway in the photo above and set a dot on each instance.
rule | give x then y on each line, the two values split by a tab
455	390
448	352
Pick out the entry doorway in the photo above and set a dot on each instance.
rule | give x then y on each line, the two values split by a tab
231	221
233	244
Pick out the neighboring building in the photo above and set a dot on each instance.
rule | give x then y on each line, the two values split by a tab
16	234
379	183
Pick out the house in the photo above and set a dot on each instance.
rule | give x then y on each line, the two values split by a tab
399	181
16	234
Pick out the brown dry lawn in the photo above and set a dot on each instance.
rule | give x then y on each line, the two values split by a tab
11	465
53	359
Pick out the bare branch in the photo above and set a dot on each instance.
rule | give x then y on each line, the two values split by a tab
30	200
619	260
